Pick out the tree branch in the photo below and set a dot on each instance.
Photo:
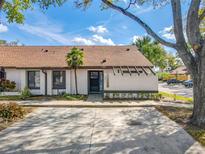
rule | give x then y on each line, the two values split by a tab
192	28
140	22
182	47
177	21
130	3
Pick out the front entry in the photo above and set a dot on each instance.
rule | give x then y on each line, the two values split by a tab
95	82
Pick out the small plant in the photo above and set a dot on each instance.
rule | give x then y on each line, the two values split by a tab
163	76
25	93
11	111
73	97
7	85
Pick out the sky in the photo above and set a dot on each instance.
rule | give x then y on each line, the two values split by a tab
67	25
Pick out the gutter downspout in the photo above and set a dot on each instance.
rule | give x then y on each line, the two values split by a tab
45	73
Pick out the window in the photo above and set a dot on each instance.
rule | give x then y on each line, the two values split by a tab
58	79
2	73
34	79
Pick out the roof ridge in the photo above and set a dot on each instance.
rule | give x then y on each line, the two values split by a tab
72	46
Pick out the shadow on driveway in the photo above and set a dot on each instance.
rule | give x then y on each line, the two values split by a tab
102	130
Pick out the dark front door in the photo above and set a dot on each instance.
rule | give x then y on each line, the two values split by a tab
95	81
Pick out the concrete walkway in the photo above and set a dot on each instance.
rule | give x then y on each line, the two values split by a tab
101	130
93	103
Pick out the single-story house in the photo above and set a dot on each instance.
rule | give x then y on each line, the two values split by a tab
181	73
105	70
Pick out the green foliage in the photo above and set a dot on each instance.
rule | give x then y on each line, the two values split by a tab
173	62
162	75
7	85
74	58
14	9
177	97
156	54
2	42
11	111
152	51
201	11
25	93
73	97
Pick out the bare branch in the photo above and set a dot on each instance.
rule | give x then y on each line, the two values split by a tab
182	47
177	20
193	22
131	3
140	22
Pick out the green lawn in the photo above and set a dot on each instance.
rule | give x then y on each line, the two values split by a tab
181	116
176	97
63	97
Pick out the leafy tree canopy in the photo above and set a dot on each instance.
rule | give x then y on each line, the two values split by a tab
11	43
75	58
14	9
154	51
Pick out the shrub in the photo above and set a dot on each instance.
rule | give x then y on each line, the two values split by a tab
163	75
73	97
7	85
11	111
25	93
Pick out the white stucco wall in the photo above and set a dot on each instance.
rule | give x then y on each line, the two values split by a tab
14	75
126	82
82	79
20	77
111	81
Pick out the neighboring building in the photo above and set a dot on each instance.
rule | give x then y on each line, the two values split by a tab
181	73
106	70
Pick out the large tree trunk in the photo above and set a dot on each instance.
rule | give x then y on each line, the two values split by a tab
76	83
194	62
198	116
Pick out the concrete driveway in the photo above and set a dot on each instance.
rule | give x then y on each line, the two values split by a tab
97	130
178	89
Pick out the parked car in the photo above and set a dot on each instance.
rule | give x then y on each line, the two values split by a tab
188	83
173	81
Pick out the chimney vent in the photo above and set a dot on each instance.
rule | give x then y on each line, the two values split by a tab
127	49
103	61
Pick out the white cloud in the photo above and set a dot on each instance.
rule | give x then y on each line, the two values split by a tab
46	33
3	28
93	40
169	36
56	35
84	41
135	37
142	10
98	29
101	40
167	33
168	29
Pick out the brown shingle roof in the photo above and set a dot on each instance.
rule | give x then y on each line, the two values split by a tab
54	56
180	70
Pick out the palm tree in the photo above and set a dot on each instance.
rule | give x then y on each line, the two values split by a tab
152	50
140	42
75	59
